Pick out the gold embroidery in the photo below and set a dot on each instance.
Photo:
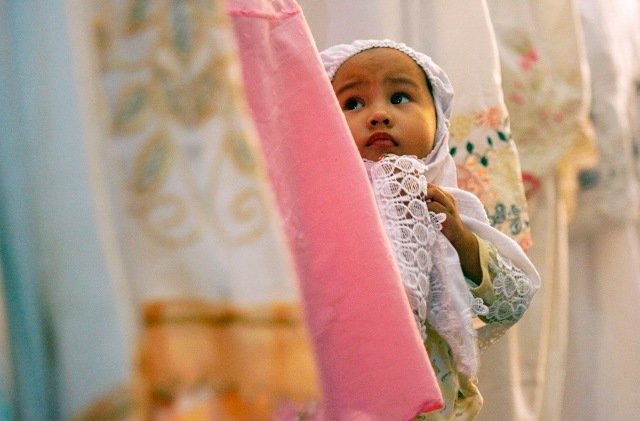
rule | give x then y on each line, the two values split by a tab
152	165
169	68
235	146
244	214
129	115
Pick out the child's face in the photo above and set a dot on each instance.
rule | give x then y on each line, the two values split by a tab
385	99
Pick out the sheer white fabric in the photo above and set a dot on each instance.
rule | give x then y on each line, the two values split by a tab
430	268
429	265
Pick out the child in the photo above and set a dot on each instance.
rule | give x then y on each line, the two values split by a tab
455	267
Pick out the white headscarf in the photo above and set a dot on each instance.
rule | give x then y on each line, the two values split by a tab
441	299
441	165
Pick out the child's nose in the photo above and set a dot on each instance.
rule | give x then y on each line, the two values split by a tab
379	118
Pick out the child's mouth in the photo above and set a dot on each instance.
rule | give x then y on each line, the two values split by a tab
381	140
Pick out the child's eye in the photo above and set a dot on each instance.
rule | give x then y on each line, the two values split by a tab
399	98
353	104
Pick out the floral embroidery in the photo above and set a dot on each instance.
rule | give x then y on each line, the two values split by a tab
474	178
531	183
528	57
488	167
491	117
461	126
511	217
546	106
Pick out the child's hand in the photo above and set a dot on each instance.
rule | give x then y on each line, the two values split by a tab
462	239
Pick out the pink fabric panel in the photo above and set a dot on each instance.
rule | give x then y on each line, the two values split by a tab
372	362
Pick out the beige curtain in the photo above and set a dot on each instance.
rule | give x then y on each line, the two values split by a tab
605	286
544	79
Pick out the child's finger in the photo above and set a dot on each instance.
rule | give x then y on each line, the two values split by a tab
435	194
437	207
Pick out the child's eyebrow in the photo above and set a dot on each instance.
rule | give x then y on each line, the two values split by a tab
348	85
402	80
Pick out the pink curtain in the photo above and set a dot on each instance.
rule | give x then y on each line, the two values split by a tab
371	360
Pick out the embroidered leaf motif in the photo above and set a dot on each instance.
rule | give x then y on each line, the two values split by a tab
138	14
516	226
130	107
502	136
241	153
208	95
489	140
484	161
182	28
470	147
204	94
453	150
152	164
171	95
501	215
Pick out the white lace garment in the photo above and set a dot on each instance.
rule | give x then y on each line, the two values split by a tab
430	269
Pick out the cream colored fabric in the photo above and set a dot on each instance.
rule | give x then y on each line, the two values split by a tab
545	80
543	70
195	230
187	179
604	343
605	249
610	191
520	375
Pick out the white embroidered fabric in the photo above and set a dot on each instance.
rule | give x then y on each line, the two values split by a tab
428	263
437	291
513	291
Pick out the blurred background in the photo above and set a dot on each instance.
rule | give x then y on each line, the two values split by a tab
146	271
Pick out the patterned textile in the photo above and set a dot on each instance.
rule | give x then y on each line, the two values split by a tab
481	142
433	280
444	305
221	332
610	191
344	262
544	79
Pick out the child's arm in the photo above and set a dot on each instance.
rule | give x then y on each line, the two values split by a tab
462	239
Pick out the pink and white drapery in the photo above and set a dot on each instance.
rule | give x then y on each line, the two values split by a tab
372	362
192	225
169	290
